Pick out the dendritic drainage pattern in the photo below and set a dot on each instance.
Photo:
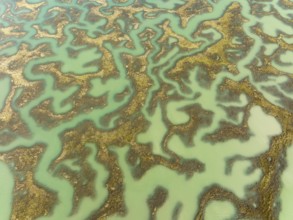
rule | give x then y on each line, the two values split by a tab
146	109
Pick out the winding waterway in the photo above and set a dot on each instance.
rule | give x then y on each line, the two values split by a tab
146	109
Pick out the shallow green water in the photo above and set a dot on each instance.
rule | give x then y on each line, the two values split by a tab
146	109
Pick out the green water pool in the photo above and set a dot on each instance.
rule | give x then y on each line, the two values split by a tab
146	109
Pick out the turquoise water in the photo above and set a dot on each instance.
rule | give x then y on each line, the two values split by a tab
145	109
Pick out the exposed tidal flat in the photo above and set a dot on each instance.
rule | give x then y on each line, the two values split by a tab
144	109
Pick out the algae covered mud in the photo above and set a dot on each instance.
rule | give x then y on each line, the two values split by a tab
146	109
